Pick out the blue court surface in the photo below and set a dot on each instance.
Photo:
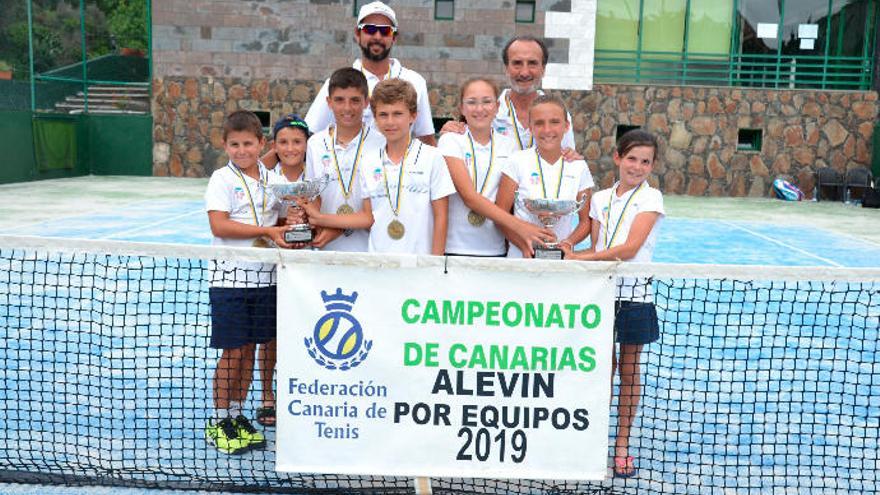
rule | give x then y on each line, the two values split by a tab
682	240
752	388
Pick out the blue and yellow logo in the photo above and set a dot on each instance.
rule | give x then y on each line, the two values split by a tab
337	342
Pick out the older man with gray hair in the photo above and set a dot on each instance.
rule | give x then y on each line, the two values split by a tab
525	58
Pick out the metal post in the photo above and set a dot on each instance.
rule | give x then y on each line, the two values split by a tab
82	35
639	42
149	25
734	43
30	16
686	48
870	19
827	44
779	27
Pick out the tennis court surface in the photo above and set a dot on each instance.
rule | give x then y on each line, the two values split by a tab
765	380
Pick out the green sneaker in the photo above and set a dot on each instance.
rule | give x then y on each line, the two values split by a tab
224	435
246	431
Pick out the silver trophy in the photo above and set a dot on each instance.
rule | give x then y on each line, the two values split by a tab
288	194
549	212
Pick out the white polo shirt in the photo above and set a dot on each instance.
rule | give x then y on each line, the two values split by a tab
425	179
319	116
325	156
507	123
616	215
247	201
562	180
463	237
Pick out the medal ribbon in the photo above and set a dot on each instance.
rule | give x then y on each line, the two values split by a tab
261	184
386	76
396	209
541	174
610	241
491	159
511	112
346	190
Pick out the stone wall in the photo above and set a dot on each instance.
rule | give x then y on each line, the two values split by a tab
307	39
698	127
803	130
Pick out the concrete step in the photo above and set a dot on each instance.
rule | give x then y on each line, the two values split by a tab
77	111
115	93
74	109
102	87
111	101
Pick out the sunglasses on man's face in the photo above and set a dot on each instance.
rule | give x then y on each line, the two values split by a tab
382	29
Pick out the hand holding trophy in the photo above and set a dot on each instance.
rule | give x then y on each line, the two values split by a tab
290	195
548	213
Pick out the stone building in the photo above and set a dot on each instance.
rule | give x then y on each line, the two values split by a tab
738	91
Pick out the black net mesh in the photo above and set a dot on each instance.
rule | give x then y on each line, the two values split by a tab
106	377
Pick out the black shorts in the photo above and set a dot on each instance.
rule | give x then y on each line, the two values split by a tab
635	322
242	316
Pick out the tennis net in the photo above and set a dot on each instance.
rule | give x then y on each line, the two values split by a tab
765	379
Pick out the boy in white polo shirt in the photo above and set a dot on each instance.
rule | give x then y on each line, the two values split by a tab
405	183
338	152
241	212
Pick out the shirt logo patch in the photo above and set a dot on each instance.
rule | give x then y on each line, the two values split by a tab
534	178
238	193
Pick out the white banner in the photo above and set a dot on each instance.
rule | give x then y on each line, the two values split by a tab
417	372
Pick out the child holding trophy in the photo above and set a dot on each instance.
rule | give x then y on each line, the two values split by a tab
625	221
288	156
474	158
290	135
241	212
541	174
405	183
338	153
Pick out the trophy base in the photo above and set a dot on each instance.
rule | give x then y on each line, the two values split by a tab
542	253
299	234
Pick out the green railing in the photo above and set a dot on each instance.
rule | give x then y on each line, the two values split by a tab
48	87
763	71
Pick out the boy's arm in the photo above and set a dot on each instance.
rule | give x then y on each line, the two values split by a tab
428	139
440	209
326	235
270	159
359	220
223	226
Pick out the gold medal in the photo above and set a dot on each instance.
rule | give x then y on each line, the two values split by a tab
396	230
261	242
344	210
476	219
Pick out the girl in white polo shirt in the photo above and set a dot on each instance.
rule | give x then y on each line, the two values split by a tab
405	183
475	159
542	172
625	221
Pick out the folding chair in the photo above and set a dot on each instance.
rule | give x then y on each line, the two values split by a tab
829	185
858	180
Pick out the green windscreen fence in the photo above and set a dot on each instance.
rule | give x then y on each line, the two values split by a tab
55	144
75	81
